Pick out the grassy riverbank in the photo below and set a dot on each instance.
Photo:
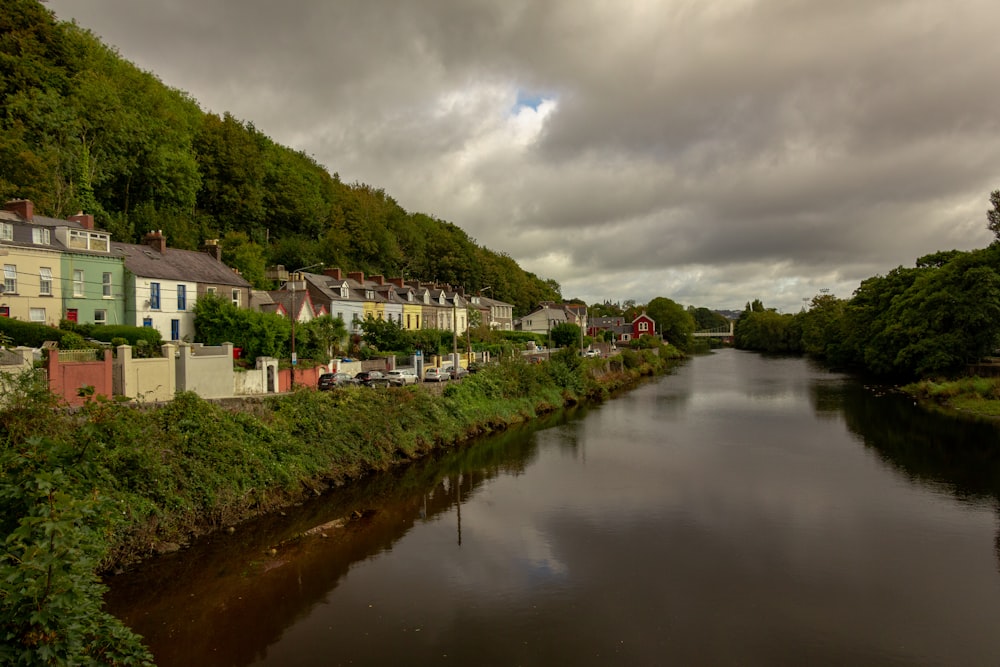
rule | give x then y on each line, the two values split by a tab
974	395
86	491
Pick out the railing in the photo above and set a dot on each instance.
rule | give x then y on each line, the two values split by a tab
69	356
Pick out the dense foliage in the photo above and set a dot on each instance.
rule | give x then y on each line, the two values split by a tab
83	129
933	319
84	491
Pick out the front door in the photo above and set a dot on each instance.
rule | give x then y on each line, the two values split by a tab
71	314
175	329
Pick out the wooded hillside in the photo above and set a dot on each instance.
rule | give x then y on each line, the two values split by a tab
83	129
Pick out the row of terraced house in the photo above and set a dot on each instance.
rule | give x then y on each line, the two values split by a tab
67	269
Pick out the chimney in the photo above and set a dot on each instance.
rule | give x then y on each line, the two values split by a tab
398	282
378	280
356	275
213	248
156	240
332	273
23	207
85	219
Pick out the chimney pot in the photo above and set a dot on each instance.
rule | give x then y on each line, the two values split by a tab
332	273
156	240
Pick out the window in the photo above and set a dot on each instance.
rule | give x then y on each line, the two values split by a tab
340	316
89	241
236	298
106	285
643	326
210	290
181	299
45	281
154	296
37	315
100	316
10	278
40	236
147	322
78	282
6	232
175	329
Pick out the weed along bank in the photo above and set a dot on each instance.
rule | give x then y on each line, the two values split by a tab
123	482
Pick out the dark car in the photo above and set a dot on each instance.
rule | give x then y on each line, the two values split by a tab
372	379
328	381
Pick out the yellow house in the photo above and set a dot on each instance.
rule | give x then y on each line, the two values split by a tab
32	279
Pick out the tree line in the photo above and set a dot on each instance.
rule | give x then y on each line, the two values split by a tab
82	129
932	319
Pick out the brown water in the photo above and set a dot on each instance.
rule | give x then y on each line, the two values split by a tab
744	511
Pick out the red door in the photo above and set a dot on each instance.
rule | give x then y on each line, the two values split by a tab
71	314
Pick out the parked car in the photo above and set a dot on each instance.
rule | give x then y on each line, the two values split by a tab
592	353
401	376
371	379
434	374
455	372
475	367
328	381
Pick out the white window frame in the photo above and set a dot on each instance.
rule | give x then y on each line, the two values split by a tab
6	231
45	281
100	316
236	297
36	315
77	282
10	278
41	236
106	285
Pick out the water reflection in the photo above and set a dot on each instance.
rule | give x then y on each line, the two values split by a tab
744	511
231	596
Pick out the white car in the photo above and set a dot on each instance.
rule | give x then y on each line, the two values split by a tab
402	376
434	374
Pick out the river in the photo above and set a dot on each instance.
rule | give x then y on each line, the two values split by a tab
744	510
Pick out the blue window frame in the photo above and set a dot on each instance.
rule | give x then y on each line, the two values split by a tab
154	296
175	329
181	298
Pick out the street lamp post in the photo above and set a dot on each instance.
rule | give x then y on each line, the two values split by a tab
295	315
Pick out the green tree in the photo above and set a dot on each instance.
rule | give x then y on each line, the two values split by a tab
386	335
993	215
674	324
566	334
217	321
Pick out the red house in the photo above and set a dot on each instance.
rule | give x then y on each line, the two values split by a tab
643	325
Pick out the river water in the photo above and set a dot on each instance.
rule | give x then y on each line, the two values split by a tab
742	511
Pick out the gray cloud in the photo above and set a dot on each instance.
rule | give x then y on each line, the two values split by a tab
708	152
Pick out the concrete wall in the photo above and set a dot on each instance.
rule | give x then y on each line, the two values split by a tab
261	380
206	370
145	379
66	379
12	364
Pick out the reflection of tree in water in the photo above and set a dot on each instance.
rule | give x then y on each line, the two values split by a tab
958	454
229	597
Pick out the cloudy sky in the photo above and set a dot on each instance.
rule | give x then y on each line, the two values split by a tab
709	151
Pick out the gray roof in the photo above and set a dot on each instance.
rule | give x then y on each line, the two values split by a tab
175	264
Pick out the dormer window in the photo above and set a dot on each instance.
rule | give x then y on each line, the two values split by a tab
345	291
6	231
40	236
370	295
79	240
